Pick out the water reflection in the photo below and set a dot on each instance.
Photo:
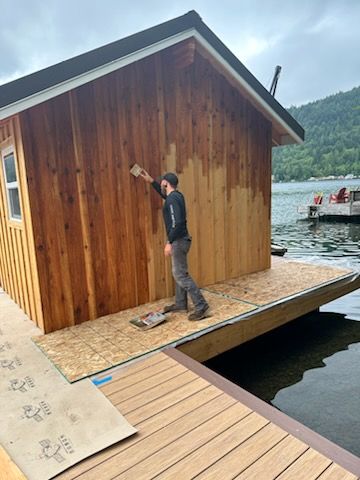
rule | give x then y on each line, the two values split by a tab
298	369
319	387
280	358
324	242
309	368
333	393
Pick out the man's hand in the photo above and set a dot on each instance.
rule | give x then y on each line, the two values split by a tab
148	178
168	250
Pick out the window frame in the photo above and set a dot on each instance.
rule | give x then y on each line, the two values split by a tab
11	185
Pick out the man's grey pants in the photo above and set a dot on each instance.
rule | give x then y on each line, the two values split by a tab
184	283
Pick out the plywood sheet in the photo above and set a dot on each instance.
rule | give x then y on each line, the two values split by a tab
283	279
110	340
45	424
96	345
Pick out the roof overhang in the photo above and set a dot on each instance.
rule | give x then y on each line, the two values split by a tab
91	75
285	129
283	134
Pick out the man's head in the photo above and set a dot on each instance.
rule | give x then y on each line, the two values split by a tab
169	182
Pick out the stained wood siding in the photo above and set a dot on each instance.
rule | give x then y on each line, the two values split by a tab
18	271
98	231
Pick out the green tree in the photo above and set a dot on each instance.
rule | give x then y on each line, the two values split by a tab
332	145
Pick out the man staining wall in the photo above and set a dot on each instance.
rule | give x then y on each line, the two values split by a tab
178	246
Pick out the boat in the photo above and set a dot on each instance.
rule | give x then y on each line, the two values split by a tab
343	206
278	250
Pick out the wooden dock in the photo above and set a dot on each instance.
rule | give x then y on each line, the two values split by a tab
193	423
8	469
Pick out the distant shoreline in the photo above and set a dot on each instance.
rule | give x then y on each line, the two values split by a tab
321	180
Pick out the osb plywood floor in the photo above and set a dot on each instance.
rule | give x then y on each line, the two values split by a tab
283	279
99	344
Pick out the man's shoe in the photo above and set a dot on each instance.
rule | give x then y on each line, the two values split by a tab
199	314
174	308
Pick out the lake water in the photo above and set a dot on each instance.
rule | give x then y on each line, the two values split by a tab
309	368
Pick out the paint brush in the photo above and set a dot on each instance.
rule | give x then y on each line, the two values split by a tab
136	170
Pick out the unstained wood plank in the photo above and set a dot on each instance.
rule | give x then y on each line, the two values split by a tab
8	469
182	445
185	404
157	391
118	375
307	467
134	458
276	460
335	472
128	391
167	398
212	451
245	454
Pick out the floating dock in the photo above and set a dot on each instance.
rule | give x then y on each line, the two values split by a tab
241	309
346	210
193	423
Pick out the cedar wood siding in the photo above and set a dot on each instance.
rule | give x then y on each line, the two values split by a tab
18	270
98	231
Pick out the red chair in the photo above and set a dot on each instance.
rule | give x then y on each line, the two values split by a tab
341	197
318	198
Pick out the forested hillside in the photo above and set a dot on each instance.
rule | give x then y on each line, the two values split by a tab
332	140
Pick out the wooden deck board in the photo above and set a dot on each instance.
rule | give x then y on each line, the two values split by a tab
8	469
156	363
173	452
212	451
201	429
185	403
307	467
167	398
137	455
245	454
155	393
146	384
334	472
276	460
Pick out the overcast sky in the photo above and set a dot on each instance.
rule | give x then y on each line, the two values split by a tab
317	42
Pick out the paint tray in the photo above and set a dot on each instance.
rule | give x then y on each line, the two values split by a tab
149	320
136	170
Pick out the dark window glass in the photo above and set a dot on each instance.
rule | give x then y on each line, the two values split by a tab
14	203
10	171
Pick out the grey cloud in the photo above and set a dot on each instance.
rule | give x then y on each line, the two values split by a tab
316	41
318	55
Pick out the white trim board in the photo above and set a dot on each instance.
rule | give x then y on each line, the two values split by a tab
98	72
247	87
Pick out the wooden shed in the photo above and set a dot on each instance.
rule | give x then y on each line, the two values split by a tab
79	236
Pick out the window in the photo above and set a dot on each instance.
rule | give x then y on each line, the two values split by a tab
11	183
